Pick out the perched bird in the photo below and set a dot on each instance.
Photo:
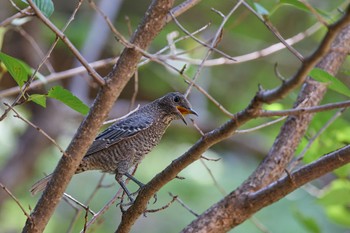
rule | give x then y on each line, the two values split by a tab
125	143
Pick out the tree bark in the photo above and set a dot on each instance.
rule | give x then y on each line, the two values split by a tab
151	25
235	208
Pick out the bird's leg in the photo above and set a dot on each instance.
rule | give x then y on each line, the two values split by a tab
121	183
140	184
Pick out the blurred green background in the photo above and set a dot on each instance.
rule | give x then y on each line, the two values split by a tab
322	206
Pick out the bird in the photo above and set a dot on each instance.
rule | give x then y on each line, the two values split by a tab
124	144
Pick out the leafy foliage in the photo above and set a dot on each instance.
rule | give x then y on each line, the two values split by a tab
336	201
333	83
66	97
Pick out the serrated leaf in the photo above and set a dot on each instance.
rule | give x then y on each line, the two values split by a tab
38	99
17	68
334	83
260	9
66	97
45	6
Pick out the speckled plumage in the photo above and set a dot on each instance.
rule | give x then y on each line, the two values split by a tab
125	143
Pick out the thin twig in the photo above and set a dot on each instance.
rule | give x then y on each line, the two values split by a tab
181	8
37	128
86	219
301	110
29	81
214	43
184	205
70	198
60	75
161	208
260	126
210	159
15	199
315	13
104	209
36	47
217	185
122	117
94	192
69	44
136	74
22	13
324	127
156	59
174	42
253	55
199	41
275	32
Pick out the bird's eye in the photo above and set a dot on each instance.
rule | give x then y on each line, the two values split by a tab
176	99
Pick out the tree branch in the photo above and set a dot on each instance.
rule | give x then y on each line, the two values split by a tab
222	216
222	219
152	23
69	44
238	206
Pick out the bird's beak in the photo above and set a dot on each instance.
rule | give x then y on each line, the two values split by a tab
185	111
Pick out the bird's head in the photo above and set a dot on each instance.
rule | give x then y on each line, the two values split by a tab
177	105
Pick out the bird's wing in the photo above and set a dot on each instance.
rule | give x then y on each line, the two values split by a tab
119	131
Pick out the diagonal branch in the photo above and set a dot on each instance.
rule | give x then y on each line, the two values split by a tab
69	44
222	219
311	95
232	210
116	80
240	206
308	63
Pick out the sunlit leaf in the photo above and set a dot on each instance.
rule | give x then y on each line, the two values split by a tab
66	97
19	70
336	201
274	107
337	193
38	99
334	83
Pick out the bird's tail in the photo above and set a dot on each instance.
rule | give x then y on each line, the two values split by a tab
40	185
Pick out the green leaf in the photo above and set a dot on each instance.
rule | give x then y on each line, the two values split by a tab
300	6
66	97
260	9
334	83
17	68
337	193
336	201
45	6
307	222
38	99
295	3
